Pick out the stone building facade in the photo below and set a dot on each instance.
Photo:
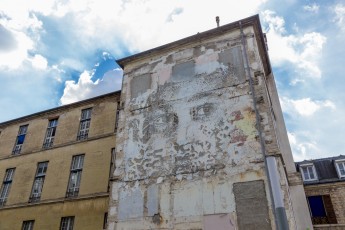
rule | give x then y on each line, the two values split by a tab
55	166
324	184
201	141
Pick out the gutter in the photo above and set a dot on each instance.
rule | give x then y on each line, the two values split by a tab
270	161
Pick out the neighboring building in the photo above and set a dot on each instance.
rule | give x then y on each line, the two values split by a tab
201	141
55	166
324	185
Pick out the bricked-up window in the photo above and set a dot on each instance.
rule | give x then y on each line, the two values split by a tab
85	121
20	139
38	182
28	225
75	176
321	210
6	185
308	172
50	135
67	223
340	168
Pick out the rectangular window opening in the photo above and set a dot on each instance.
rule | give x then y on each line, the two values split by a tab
50	134
67	223
6	186
84	126
308	172
340	165
20	139
75	175
321	210
38	182
105	221
28	225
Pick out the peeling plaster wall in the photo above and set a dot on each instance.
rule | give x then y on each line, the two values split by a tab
187	136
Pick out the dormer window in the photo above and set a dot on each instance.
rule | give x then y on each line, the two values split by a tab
308	172
340	165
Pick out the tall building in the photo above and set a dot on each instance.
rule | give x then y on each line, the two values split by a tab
55	166
201	141
324	184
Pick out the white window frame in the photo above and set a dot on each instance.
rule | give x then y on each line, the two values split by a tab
50	134
75	175
37	186
6	185
337	165
305	166
84	126
20	139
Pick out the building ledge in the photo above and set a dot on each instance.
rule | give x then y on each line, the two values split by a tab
60	145
57	200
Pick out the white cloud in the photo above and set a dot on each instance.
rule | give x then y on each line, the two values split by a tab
339	17
305	106
39	62
313	8
87	88
13	59
303	149
303	51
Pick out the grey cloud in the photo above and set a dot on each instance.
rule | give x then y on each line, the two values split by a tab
7	40
176	11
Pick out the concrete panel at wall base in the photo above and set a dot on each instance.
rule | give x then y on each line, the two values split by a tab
251	205
219	222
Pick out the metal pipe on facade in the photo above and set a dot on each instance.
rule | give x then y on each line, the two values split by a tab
270	161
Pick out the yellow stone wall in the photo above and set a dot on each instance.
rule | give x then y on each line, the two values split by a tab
89	215
91	203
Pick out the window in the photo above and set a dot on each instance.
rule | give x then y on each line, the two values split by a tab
20	139
308	172
50	135
340	164
321	210
28	225
6	185
105	221
67	223
75	176
84	124
38	182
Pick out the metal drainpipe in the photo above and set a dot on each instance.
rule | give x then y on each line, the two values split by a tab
270	161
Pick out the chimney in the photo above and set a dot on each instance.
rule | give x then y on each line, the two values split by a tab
217	20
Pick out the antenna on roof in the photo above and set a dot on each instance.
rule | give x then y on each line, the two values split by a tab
217	20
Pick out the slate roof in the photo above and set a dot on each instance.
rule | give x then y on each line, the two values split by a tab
325	169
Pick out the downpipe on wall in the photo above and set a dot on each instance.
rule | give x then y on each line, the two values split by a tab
270	161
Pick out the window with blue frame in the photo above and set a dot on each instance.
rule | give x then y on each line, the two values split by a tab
321	209
20	139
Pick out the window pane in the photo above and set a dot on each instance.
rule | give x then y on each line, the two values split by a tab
341	166
20	139
311	172
316	206
67	223
28	225
305	173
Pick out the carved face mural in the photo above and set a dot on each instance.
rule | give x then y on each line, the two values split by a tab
185	124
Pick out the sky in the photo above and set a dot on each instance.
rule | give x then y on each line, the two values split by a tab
55	52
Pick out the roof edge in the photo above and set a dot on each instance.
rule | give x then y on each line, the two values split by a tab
252	20
27	117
